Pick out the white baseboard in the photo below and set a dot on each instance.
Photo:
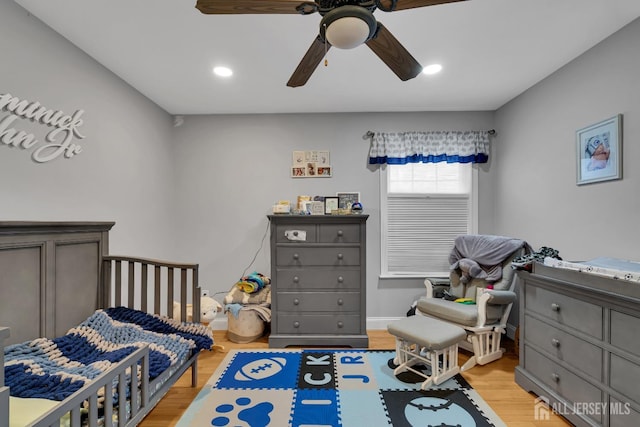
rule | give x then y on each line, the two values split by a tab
220	322
377	323
373	323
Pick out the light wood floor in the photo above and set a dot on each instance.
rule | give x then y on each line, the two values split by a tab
494	382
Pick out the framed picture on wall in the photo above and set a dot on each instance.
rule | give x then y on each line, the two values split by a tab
599	151
311	164
298	172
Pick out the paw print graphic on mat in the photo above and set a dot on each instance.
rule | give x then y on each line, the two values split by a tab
254	416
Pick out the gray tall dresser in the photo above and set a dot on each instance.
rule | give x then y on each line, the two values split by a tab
318	280
580	346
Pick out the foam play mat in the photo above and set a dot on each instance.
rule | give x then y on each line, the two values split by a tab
311	387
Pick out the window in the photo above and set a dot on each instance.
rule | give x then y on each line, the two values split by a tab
424	207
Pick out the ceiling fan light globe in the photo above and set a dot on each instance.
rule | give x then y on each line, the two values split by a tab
347	32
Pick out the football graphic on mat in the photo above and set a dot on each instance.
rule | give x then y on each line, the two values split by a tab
260	369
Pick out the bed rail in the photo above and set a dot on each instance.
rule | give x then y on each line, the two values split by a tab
100	392
4	391
158	284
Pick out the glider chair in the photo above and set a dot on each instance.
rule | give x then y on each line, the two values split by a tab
480	294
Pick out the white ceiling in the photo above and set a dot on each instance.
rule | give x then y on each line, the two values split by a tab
491	51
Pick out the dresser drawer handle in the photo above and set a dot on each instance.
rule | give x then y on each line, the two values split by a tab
340	324
296	301
555	342
340	256
555	307
340	233
555	377
340	279
340	301
296	279
296	256
296	324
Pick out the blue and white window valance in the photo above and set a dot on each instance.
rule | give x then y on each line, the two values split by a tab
399	148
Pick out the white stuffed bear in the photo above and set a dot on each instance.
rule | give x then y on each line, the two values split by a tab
209	309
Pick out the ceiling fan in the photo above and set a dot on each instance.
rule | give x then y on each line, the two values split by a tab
345	24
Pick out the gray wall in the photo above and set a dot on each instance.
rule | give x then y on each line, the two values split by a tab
125	171
201	192
232	169
534	169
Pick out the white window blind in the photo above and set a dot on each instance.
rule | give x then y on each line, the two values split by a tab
425	206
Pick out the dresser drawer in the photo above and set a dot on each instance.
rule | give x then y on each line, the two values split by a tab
305	302
562	381
337	324
339	233
565	310
319	278
621	414
306	256
288	233
584	356
624	331
625	377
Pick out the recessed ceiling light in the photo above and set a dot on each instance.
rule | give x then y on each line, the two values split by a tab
223	71
432	69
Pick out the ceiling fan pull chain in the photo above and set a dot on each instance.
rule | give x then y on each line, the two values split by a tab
326	61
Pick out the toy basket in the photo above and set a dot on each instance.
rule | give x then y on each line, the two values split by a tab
245	328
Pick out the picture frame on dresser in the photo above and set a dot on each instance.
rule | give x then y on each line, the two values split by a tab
347	198
599	151
330	205
317	207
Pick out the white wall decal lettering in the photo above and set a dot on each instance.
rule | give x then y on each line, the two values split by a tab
58	141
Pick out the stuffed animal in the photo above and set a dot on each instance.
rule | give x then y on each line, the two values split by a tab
209	309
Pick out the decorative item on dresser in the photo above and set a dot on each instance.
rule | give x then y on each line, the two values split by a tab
318	280
579	350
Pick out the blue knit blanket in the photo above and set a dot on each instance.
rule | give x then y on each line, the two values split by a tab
56	368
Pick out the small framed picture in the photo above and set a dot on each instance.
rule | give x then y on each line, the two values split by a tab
306	206
330	205
298	158
599	151
323	158
317	208
312	169
346	199
324	171
297	172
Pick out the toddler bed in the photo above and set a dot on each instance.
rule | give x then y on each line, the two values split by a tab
87	338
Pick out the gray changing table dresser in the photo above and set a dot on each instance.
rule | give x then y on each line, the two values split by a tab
318	280
580	346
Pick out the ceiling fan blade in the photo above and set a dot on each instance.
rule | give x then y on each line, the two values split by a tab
309	62
235	7
386	5
392	53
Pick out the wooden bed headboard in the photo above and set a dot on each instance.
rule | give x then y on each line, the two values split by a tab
54	275
50	275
